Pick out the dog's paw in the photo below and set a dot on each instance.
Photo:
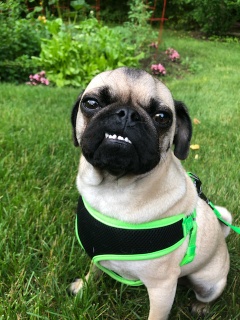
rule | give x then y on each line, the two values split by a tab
199	309
76	286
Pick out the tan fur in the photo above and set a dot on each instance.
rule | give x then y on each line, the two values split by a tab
164	191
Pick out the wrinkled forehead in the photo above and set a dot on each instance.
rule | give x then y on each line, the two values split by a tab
130	85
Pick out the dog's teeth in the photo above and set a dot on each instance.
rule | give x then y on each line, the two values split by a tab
114	136
127	140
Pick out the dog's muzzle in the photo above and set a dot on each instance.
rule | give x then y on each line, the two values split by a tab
120	140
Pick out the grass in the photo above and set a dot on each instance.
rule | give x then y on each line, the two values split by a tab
39	254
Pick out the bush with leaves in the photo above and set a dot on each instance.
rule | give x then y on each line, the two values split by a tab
216	16
139	13
18	70
213	17
19	40
76	53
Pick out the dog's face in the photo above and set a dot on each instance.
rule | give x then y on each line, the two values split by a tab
126	121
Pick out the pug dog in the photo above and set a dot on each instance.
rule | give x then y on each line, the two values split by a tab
132	135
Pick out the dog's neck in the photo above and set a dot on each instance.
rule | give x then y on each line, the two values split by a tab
114	195
89	175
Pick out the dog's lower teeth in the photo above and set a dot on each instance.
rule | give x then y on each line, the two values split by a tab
127	140
115	137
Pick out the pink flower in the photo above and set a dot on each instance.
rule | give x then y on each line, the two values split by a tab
154	67
158	69
38	78
161	69
153	45
172	54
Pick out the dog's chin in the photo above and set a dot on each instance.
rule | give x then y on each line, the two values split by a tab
120	158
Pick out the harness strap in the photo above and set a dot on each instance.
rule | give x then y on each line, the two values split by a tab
198	184
191	250
217	213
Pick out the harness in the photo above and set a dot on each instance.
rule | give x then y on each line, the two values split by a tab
106	238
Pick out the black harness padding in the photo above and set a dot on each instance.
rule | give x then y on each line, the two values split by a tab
98	238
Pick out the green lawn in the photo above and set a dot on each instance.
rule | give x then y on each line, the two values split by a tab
39	254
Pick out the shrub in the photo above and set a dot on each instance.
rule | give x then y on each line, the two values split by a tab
139	13
216	16
213	17
21	37
18	70
76	53
19	40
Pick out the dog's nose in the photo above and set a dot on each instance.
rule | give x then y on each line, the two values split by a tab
128	115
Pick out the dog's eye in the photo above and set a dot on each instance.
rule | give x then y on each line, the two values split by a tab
163	119
90	104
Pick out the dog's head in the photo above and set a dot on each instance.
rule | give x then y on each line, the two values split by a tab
126	122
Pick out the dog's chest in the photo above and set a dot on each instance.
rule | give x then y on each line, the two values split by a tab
132	205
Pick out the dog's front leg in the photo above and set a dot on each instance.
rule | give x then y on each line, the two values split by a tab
161	299
78	284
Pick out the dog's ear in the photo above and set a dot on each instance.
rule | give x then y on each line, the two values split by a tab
74	120
183	131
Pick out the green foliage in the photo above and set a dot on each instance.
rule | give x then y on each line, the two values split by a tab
192	66
137	26
18	70
19	40
138	13
213	17
12	8
216	16
19	37
76	53
79	5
